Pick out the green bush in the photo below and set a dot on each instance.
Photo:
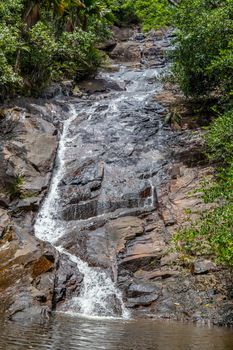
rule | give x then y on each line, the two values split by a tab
42	41
203	60
9	43
76	55
153	14
37	59
211	235
219	139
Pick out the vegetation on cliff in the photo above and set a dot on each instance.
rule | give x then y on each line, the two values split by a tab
212	234
203	68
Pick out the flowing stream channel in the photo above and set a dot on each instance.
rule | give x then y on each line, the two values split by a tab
110	145
98	289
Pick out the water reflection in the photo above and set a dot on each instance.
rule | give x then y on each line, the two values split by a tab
68	333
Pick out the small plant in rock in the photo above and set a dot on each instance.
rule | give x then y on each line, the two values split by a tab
173	117
15	188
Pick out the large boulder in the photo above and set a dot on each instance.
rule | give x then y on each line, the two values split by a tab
127	52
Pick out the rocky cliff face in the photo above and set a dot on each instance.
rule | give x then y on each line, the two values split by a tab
130	174
32	274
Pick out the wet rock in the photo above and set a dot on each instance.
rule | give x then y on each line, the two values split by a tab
121	230
30	203
100	85
167	308
107	45
24	169
41	266
149	245
4	201
22	261
139	37
68	281
52	91
67	87
55	90
143	288
28	143
117	176
226	315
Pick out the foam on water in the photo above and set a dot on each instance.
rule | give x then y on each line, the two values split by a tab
97	293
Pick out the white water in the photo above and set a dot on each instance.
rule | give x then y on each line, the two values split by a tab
97	293
98	290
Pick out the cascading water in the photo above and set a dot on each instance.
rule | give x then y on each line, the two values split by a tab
108	137
98	289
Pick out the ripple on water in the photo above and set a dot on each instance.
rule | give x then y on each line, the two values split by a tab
65	332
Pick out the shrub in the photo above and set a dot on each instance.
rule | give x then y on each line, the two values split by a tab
76	55
203	60
41	41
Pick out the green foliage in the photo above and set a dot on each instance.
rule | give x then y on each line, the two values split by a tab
38	57
41	41
203	66
212	234
15	187
220	139
203	60
152	14
8	47
76	54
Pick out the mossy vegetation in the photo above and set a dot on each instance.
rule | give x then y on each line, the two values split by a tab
15	187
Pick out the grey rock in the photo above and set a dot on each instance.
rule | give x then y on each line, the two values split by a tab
144	300
143	288
202	267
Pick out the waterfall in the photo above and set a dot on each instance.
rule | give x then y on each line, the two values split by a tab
98	290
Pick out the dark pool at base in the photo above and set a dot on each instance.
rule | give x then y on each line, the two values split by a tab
67	332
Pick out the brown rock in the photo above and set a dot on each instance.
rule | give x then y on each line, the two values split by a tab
151	275
41	266
4	221
169	259
127	51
